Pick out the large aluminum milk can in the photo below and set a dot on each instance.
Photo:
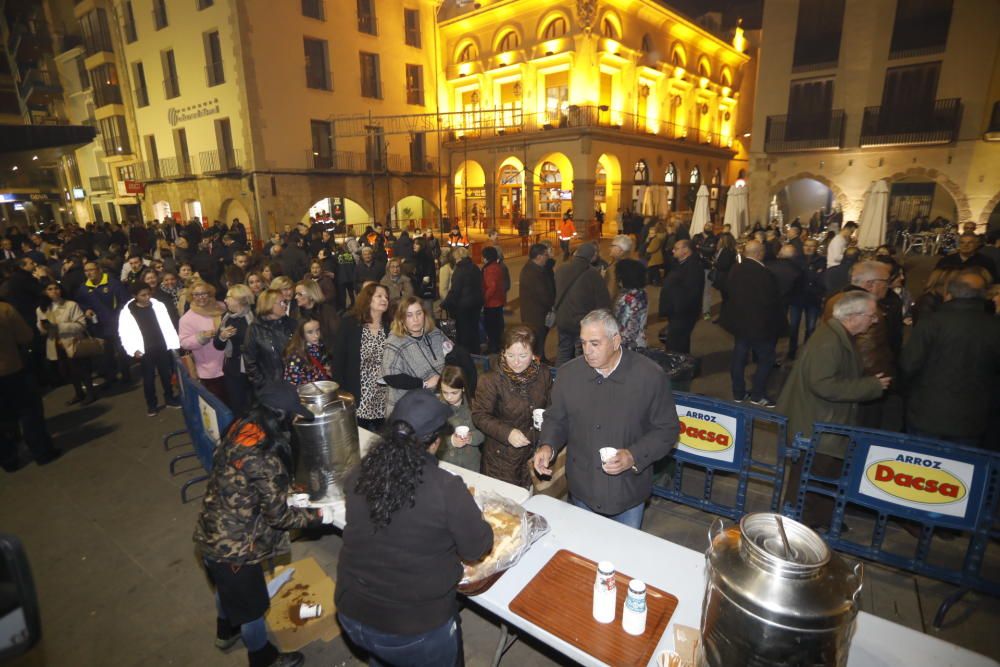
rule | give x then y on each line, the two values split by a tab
775	595
327	447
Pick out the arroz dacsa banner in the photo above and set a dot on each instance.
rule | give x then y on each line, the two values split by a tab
921	481
710	434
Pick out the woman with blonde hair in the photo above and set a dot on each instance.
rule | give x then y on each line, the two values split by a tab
197	330
310	303
414	352
267	336
286	286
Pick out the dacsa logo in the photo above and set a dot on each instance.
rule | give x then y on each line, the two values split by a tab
916	480
701	431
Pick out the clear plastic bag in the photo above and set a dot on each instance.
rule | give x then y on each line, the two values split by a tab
514	531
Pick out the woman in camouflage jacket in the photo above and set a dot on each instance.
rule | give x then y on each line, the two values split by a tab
245	519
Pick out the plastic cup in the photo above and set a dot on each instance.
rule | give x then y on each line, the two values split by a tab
310	611
462	431
537	417
607	453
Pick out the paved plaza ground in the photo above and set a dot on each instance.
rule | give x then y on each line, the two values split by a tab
119	585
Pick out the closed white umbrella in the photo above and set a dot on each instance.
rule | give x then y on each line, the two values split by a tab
700	216
872	224
648	205
737	209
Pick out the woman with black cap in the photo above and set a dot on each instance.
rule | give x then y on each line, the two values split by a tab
245	519
410	525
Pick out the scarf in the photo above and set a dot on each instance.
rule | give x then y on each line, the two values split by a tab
214	311
228	351
174	293
521	380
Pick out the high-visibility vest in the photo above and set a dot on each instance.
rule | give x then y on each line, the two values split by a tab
567	230
458	241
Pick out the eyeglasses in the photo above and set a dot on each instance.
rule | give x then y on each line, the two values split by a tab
199	294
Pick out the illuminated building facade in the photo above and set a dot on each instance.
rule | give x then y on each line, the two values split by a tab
854	91
552	106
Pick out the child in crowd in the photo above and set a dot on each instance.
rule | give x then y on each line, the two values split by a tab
306	358
459	450
148	335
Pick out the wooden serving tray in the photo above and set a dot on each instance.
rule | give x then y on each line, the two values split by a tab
559	599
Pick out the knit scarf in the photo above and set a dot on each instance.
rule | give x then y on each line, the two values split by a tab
174	293
214	310
521	380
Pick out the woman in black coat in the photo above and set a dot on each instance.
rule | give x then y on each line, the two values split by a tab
357	354
264	348
464	300
725	257
230	338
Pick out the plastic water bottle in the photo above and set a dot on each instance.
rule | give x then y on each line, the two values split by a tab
634	610
605	593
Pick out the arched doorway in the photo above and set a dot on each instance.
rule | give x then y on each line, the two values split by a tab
470	193
346	214
670	180
510	193
162	211
234	209
640	180
804	198
608	184
916	199
414	214
694	182
714	188
554	185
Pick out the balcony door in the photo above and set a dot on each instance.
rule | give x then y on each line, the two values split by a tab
908	98
810	104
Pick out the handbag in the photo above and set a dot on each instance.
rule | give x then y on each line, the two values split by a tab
89	347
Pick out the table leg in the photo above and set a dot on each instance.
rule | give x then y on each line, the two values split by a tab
507	639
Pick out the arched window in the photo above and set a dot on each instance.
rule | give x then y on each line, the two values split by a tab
647	43
695	177
727	77
641	174
508	42
670	178
703	68
713	191
555	28
677	56
468	54
550	174
510	175
609	29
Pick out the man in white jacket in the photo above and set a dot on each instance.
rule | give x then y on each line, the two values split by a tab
148	335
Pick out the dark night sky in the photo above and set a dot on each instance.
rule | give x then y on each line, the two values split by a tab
749	10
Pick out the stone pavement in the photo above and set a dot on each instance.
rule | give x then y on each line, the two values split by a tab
119	584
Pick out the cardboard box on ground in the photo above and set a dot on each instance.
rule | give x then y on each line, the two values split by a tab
309	585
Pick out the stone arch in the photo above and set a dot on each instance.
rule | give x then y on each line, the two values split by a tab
501	35
951	187
838	193
987	212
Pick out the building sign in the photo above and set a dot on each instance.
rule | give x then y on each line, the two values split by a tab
134	187
710	434
183	114
79	193
919	480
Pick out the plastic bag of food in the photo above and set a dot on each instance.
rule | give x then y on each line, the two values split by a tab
514	531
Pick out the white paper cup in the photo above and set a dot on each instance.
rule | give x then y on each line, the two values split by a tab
299	500
462	431
607	453
310	611
537	417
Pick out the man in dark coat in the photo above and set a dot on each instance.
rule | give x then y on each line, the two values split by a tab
826	385
951	366
968	255
294	259
752	313
681	297
612	397
538	294
838	277
464	300
102	297
579	290
788	272
368	269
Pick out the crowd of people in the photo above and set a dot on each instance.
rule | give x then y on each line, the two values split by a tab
395	320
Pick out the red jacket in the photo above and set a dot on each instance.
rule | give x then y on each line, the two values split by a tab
494	289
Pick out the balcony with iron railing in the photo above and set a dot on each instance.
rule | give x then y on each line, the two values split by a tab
490	123
217	162
936	124
364	163
805	132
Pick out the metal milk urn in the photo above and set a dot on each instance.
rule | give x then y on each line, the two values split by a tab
327	447
775	595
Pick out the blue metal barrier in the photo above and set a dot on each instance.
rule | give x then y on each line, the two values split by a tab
207	419
720	436
938	485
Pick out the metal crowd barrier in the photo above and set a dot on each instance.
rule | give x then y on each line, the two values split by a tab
723	437
206	418
940	486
